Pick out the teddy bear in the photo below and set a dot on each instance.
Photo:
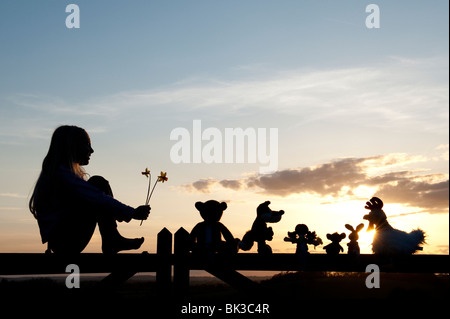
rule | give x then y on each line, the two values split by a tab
207	235
353	246
302	237
334	248
259	232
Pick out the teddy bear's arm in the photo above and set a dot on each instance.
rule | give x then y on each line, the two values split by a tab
195	232
226	233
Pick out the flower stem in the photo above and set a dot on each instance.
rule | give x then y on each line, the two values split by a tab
148	200
149	196
148	189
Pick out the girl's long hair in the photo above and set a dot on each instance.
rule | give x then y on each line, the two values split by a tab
63	147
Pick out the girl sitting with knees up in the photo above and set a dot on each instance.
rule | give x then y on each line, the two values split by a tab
68	207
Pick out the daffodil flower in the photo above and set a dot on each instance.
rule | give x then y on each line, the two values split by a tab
163	177
146	172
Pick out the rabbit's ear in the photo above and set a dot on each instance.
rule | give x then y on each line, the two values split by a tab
349	227
359	227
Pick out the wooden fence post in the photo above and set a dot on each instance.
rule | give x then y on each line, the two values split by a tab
181	263
164	266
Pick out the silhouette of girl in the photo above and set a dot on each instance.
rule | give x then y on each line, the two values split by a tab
67	207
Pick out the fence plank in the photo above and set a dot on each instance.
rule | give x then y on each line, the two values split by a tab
164	264
38	263
181	266
342	262
124	265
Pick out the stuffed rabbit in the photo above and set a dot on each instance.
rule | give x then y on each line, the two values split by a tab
353	247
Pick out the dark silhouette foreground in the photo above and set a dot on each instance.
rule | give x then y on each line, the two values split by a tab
67	207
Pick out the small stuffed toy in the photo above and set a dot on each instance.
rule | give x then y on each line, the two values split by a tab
334	248
353	247
260	232
207	235
388	240
302	237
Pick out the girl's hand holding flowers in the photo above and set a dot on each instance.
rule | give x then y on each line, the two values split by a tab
162	178
142	212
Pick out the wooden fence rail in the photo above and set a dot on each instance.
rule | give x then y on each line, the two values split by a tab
124	265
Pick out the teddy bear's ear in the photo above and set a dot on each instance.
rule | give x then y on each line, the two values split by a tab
343	235
349	227
199	206
359	227
267	203
223	205
329	236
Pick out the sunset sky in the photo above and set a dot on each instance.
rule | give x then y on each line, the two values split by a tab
359	112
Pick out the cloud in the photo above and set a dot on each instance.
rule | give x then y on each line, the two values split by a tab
340	178
432	197
325	179
232	184
398	95
57	106
12	195
445	152
202	186
392	94
388	95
